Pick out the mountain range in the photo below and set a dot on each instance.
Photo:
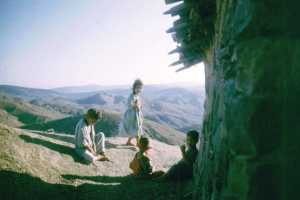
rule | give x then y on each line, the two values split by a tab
180	108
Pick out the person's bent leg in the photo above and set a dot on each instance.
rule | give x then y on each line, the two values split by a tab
87	155
100	147
173	173
179	172
157	174
100	142
129	141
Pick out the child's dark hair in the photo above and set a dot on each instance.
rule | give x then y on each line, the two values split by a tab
137	82
93	113
194	135
144	141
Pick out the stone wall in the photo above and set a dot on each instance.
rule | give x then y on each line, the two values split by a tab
251	131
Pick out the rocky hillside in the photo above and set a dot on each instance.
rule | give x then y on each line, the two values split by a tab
38	165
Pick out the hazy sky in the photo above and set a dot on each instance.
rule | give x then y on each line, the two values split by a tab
51	43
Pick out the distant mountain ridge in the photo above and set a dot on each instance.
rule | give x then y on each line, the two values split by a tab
95	87
28	93
86	88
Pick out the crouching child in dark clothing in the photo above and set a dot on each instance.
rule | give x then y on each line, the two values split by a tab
183	169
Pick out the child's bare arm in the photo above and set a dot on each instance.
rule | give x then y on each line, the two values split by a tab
137	105
183	151
91	149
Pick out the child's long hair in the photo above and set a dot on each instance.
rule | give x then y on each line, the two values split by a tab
136	83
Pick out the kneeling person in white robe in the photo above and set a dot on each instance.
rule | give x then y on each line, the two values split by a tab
89	145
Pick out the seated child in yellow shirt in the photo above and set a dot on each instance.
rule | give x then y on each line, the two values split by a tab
141	164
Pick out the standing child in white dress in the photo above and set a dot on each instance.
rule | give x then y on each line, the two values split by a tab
132	122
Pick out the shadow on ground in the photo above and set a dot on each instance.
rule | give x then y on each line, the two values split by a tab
61	137
23	186
70	139
53	146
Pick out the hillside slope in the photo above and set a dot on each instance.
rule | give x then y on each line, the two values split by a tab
10	120
17	112
109	125
37	165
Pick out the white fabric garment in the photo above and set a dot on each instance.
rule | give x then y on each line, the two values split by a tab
85	136
132	121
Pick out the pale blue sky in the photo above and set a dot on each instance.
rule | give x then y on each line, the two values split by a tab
53	43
